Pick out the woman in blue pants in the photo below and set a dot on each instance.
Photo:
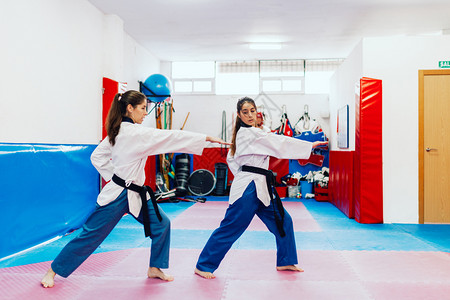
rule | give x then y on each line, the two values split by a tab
120	159
251	191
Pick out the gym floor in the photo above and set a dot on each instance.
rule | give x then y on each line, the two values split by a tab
342	260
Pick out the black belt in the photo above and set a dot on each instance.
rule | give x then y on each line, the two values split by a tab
142	190
270	180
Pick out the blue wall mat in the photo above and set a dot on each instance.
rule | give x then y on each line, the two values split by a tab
46	191
294	166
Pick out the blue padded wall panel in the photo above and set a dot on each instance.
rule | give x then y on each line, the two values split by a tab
294	166
46	191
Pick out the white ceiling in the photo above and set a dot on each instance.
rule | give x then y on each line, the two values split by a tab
201	30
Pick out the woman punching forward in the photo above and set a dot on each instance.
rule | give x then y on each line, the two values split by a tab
120	159
252	191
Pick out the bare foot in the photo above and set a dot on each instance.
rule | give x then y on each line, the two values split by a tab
154	272
207	275
290	268
48	280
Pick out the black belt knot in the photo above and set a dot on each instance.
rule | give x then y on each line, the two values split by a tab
270	181
142	191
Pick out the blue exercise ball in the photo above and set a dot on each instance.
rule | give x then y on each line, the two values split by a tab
157	88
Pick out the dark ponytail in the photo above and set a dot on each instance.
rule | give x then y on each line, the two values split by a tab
237	124
118	110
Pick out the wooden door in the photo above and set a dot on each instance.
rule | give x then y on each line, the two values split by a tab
434	146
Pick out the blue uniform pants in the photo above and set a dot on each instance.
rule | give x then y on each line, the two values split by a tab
100	224
237	218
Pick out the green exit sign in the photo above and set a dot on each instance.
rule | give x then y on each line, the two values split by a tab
444	64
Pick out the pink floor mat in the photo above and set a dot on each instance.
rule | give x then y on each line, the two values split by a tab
207	216
244	274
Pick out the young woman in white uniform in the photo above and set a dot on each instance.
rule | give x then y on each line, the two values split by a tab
249	194
121	156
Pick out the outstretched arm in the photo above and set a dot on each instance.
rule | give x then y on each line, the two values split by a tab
158	141
213	139
256	141
319	144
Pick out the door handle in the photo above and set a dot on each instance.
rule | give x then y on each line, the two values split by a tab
431	149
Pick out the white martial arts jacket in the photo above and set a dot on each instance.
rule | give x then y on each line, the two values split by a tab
127	157
253	148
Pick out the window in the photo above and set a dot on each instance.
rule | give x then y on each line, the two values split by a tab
293	84
281	85
254	77
281	68
202	86
271	85
182	86
237	78
318	74
193	77
199	69
282	76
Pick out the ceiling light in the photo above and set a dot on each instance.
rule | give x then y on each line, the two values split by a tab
265	46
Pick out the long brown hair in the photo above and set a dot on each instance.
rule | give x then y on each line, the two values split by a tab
237	124
118	110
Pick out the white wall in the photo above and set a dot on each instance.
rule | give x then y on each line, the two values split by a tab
139	62
396	61
342	92
113	38
53	57
52	69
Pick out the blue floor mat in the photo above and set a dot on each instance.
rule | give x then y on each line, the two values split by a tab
338	233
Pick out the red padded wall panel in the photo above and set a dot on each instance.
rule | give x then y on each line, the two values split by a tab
279	166
368	192
150	172
110	89
341	181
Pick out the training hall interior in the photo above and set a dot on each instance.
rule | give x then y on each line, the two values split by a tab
370	211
